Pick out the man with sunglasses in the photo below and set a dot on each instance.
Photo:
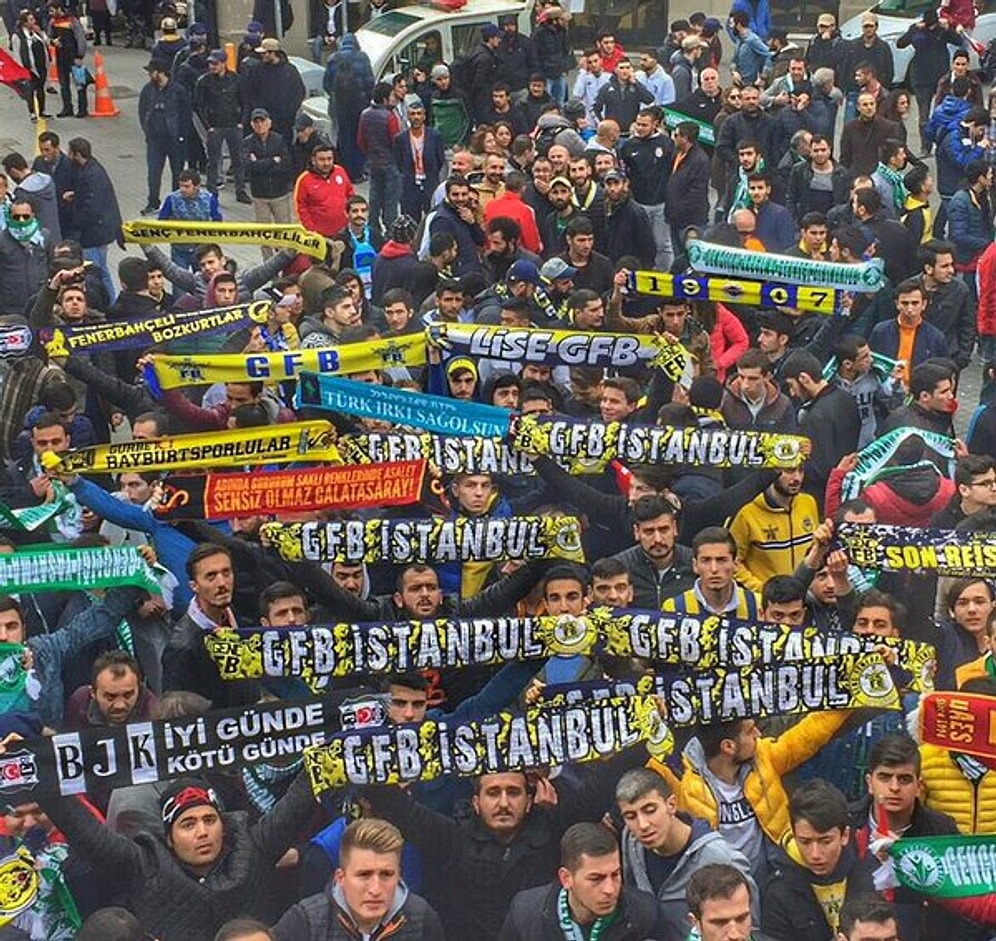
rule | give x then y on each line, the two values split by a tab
25	248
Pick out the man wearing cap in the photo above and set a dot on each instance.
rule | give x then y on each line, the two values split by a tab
169	44
627	226
164	113
824	49
306	138
556	284
685	69
210	865
553	53
420	157
274	84
870	48
520	282
218	104
447	107
269	167
484	69
561	197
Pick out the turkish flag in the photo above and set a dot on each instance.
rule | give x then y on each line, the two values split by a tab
13	74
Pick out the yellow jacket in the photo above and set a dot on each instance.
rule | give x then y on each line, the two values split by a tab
770	540
946	789
763	788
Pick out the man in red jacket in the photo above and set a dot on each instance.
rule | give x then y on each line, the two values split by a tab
510	205
321	193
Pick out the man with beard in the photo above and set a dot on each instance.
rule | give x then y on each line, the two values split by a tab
658	567
554	227
186	662
775	530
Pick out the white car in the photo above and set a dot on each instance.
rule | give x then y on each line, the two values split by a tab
896	16
396	40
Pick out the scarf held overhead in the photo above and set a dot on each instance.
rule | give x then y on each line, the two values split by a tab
538	737
149	331
866	276
153	231
562	347
65	569
337	650
145	752
729	291
269	444
415	409
428	541
172	372
912	548
590	445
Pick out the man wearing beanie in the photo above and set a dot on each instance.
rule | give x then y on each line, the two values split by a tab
206	867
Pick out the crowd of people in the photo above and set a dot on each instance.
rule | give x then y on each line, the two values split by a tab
517	188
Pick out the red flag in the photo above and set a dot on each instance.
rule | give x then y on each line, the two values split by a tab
13	74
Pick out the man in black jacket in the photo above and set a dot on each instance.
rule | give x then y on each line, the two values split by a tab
164	113
588	894
482	861
627	223
828	415
803	902
687	199
270	169
211	866
218	103
186	662
646	157
658	568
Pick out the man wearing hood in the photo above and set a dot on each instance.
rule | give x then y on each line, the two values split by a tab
39	189
662	848
366	900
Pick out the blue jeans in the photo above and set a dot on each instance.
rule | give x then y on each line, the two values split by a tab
157	151
217	137
385	191
98	255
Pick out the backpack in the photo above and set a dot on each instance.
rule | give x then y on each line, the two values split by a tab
544	139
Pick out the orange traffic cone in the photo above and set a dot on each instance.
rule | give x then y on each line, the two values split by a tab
104	106
53	70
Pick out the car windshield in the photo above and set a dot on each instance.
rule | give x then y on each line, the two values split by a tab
910	8
391	23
